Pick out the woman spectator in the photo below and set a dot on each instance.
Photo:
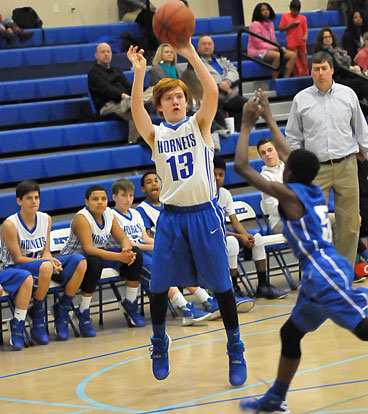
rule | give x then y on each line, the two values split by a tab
262	24
164	65
328	42
352	39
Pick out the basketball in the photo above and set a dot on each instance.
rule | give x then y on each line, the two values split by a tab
173	23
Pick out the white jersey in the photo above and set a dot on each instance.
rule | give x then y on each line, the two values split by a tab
184	164
100	234
225	202
131	223
31	241
271	204
150	213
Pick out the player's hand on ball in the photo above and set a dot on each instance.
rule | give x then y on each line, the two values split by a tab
136	58
185	49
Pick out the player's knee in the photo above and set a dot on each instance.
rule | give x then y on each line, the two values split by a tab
361	331
46	270
290	339
232	246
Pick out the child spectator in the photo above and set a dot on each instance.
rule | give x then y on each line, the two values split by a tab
262	25
90	231
26	246
131	222
296	29
18	283
362	56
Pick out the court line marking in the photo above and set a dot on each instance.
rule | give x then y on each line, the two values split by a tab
135	348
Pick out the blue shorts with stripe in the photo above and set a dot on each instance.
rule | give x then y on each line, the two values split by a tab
69	263
12	279
326	292
190	249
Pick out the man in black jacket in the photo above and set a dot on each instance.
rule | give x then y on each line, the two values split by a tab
110	89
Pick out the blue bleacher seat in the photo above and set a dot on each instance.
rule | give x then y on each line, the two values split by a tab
58	110
21	140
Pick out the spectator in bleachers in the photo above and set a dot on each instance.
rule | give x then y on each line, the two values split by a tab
110	89
18	283
262	24
26	246
362	56
327	120
164	65
90	231
352	39
132	223
295	25
140	12
238	235
226	76
343	69
9	30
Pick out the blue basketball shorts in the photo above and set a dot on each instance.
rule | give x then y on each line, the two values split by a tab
11	279
69	263
326	292
190	249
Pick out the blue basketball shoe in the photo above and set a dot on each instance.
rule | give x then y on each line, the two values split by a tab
192	315
237	365
62	320
38	325
244	304
131	313
211	306
85	323
268	404
16	329
160	357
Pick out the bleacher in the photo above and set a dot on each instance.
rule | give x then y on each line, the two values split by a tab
48	132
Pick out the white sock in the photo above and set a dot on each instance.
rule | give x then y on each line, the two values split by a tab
85	302
131	293
20	314
179	300
202	295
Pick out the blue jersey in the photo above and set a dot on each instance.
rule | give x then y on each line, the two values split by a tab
312	232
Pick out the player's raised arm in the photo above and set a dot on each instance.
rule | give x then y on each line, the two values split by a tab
140	116
208	107
277	136
289	201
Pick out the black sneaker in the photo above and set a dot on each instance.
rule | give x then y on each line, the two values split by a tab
358	279
238	292
270	292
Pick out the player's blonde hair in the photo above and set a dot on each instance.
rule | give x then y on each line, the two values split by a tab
166	85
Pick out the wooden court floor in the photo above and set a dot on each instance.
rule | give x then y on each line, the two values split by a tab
112	372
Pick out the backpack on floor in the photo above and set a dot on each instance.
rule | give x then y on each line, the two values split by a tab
26	18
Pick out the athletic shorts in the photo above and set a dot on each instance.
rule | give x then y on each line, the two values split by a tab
12	279
69	263
190	249
326	292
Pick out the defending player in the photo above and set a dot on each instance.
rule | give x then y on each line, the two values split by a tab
190	248
326	289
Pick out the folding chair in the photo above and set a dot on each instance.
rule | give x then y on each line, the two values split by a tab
273	243
277	249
